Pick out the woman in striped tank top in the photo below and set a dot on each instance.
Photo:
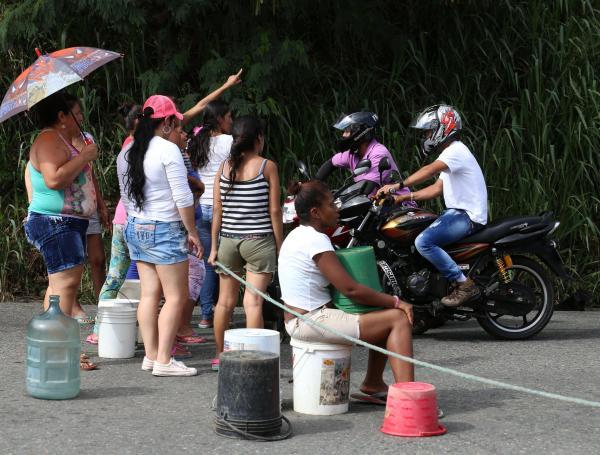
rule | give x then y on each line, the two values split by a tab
247	218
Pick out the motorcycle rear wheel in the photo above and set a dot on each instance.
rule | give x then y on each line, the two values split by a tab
507	327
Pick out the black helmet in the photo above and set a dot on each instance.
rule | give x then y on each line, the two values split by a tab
362	129
444	123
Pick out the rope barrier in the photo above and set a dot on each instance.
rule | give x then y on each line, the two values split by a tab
421	363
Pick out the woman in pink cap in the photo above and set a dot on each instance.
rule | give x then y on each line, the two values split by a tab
160	230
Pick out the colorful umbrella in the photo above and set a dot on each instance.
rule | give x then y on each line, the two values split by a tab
51	73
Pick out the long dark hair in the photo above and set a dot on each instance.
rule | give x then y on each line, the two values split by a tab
245	132
130	113
135	179
199	144
308	195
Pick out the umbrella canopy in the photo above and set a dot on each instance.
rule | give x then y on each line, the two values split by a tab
51	73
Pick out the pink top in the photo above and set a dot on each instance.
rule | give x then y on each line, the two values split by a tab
375	152
120	213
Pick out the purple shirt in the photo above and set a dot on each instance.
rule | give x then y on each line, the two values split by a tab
375	152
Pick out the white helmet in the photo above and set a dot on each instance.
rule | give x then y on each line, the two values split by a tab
444	123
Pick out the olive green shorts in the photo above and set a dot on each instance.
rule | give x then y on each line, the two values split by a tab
254	255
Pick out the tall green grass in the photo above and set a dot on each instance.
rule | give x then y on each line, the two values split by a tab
524	75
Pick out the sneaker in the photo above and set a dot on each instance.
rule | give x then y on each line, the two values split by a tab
173	368
463	293
179	352
147	364
205	324
214	364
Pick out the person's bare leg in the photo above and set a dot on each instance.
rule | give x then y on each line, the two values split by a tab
373	381
253	302
174	281
389	327
64	284
97	260
147	312
185	325
229	289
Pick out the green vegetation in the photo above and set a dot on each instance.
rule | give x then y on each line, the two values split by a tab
523	74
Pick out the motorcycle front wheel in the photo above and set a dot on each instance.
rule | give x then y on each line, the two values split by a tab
507	327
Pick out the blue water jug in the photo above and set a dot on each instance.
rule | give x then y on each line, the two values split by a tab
53	350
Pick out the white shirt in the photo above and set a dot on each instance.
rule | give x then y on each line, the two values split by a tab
464	185
166	188
302	283
219	147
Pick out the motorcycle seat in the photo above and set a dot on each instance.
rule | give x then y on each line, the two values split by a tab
501	228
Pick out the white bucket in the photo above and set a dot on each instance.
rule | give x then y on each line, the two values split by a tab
117	331
321	377
252	340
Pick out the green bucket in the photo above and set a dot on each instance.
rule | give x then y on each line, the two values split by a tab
360	264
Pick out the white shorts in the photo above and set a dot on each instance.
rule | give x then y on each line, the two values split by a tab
338	320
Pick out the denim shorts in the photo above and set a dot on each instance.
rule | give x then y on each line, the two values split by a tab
60	240
156	242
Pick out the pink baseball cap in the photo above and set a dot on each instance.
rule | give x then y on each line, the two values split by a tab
163	106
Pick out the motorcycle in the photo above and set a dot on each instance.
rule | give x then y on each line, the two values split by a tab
340	235
504	259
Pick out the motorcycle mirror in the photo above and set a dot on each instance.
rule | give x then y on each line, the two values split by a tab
303	169
362	167
384	165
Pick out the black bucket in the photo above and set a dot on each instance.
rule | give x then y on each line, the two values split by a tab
248	397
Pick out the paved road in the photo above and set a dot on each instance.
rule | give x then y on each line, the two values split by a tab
122	409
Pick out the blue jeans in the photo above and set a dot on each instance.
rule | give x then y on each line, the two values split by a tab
209	290
451	226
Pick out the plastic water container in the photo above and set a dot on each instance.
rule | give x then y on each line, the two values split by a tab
361	265
321	377
117	331
53	350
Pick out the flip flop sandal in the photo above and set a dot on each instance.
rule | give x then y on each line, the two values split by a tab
85	364
378	398
190	339
92	339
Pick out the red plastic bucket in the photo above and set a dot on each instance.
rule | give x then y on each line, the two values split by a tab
412	411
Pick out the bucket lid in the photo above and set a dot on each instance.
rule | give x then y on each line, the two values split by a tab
310	346
258	333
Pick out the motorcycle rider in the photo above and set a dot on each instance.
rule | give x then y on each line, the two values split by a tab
358	143
462	184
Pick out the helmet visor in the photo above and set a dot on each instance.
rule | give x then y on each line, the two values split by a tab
343	122
425	121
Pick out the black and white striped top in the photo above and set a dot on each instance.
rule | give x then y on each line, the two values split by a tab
246	206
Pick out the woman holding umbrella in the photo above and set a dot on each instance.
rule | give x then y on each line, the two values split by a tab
63	199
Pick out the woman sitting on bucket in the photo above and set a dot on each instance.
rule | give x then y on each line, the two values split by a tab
308	265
